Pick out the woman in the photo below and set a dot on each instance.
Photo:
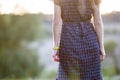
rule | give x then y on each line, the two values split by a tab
79	48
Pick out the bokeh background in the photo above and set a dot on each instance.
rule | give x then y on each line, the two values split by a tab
26	40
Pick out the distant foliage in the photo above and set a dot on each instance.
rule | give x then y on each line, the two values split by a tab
113	69
110	46
17	60
113	17
112	31
19	63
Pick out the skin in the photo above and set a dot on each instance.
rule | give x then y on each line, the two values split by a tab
98	23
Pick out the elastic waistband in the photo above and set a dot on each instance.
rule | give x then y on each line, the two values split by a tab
85	21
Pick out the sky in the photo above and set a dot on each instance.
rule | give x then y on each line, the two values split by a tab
46	6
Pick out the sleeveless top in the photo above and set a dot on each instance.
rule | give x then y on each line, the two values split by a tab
69	10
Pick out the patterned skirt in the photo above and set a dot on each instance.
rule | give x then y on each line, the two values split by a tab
79	52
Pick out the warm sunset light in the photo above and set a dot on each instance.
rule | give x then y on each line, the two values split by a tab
46	6
26	6
108	6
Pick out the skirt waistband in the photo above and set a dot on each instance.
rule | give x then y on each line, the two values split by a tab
86	21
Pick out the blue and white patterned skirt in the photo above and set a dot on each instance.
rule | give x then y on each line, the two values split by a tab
79	52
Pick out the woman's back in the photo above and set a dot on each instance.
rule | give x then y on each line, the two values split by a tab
79	49
75	10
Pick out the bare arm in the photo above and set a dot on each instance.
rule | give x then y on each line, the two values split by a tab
56	27
98	25
99	30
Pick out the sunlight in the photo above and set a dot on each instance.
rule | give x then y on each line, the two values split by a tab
108	6
46	6
6	7
26	6
36	6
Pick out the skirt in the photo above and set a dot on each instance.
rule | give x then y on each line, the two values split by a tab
79	52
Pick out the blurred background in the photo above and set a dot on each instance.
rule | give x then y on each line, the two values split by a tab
26	40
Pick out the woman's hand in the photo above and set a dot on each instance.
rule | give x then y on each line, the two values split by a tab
102	54
56	56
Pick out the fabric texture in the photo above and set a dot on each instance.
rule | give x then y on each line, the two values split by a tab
79	50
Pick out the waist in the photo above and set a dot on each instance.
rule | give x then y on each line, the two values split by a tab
78	21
